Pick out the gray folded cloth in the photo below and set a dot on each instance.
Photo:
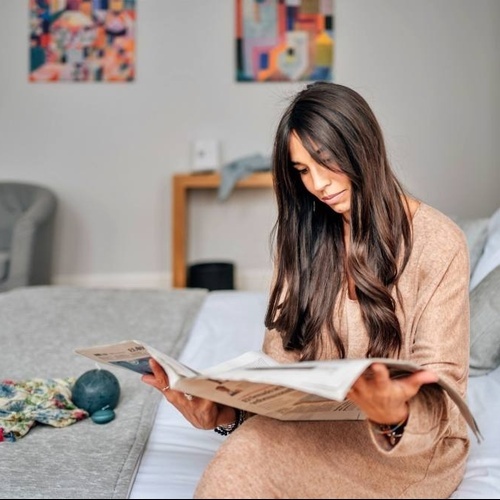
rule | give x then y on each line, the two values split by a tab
232	172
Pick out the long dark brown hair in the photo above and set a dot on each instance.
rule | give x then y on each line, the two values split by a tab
311	265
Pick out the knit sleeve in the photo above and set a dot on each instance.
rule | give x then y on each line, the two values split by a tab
439	341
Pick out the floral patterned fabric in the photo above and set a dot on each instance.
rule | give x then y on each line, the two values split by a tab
46	401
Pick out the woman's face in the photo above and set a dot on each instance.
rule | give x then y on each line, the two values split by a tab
332	187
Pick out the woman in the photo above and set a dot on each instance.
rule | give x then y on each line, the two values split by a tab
362	270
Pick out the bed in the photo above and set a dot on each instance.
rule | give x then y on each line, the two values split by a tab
149	450
176	453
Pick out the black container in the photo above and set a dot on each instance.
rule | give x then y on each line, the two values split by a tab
211	275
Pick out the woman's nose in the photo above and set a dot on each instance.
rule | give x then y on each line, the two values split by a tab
320	179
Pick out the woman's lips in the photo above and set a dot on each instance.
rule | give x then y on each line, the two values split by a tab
332	198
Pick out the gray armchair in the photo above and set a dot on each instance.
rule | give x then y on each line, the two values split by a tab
27	213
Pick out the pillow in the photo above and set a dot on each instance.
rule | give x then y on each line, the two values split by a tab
4	264
491	254
476	233
485	324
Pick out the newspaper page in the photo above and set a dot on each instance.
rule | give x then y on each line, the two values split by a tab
135	355
239	383
309	390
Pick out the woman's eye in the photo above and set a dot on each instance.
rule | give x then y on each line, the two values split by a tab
331	165
302	171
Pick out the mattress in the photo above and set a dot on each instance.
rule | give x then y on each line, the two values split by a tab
232	322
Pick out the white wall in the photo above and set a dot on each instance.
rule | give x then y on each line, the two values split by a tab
430	69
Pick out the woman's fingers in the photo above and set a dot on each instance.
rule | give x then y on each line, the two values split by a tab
158	379
377	376
384	398
201	413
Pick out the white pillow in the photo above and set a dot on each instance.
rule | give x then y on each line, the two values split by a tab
485	324
476	233
490	257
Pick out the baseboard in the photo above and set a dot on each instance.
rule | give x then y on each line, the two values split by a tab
245	279
131	280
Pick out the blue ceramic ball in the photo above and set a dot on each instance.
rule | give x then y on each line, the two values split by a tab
95	390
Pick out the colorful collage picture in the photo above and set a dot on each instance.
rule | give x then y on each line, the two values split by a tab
82	40
284	40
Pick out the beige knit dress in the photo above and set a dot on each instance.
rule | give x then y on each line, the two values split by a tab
267	458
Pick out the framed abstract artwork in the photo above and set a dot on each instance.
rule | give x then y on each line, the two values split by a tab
284	40
82	40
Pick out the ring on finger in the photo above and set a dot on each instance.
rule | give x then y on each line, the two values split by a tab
166	388
188	396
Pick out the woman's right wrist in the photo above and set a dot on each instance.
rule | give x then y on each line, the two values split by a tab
226	429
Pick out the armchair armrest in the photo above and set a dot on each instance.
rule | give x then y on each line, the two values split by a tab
34	228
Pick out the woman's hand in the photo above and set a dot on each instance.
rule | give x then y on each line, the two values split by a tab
201	413
384	400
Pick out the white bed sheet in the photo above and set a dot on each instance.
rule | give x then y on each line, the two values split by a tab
232	322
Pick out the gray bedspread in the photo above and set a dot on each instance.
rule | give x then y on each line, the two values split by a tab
39	329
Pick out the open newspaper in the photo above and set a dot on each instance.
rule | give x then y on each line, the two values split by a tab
309	390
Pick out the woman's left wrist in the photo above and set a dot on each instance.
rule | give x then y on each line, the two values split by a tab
392	433
396	417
